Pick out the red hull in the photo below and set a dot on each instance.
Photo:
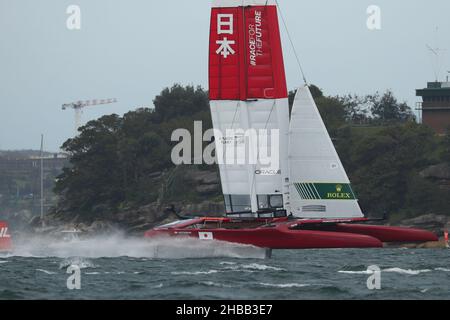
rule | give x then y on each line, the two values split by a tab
387	234
278	238
292	234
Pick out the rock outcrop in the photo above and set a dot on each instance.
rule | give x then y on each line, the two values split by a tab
432	222
131	221
440	174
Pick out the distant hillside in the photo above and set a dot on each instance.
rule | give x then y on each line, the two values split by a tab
20	177
23	154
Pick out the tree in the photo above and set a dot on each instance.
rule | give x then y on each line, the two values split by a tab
357	109
93	176
180	101
445	153
384	163
387	109
113	158
332	111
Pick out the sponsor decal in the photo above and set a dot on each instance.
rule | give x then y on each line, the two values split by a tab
255	38
237	139
206	236
340	194
4	233
325	191
182	233
268	172
225	26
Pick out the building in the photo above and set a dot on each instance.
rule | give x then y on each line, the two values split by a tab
435	106
21	176
32	164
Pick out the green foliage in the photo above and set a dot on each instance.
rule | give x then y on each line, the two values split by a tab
113	158
374	110
179	102
382	163
332	111
445	147
386	109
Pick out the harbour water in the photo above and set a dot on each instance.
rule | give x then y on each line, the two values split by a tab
122	268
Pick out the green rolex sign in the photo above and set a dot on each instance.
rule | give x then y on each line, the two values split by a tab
325	191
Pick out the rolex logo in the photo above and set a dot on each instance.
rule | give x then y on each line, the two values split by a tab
343	192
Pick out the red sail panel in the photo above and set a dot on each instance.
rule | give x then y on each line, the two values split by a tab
246	58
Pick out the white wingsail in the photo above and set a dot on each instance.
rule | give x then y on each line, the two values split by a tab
248	93
319	185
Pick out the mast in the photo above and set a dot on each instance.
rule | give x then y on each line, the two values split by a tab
42	180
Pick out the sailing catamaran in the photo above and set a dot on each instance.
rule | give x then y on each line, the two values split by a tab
306	201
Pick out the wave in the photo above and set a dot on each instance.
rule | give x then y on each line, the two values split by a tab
284	286
106	272
392	270
407	271
442	269
81	263
214	284
194	273
115	246
261	267
46	271
251	268
356	272
233	267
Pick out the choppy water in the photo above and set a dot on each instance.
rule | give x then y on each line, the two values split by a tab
118	268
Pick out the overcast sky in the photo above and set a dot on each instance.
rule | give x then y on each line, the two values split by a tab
131	49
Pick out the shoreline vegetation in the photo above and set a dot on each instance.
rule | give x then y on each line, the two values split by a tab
120	173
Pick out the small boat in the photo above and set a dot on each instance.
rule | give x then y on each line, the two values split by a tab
5	238
71	236
302	199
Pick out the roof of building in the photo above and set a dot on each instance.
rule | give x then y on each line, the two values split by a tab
435	89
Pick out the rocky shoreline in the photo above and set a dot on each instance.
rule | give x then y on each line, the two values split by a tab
132	222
